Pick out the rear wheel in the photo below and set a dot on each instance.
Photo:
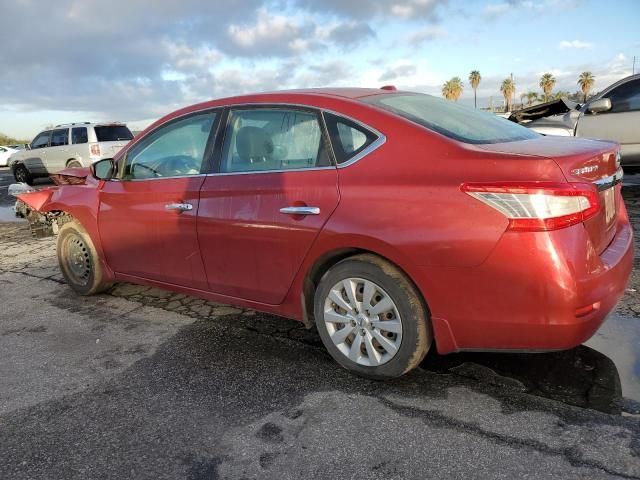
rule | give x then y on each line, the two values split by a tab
22	175
74	164
79	260
371	318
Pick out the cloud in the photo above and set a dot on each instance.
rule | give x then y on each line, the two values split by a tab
426	35
406	9
494	10
574	44
399	71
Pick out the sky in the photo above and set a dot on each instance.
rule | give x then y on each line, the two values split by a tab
134	61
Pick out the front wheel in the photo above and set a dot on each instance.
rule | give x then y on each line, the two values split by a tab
371	318
79	261
22	175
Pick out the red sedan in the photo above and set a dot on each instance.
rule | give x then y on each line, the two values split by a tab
391	221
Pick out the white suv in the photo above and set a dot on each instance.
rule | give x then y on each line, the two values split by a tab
68	145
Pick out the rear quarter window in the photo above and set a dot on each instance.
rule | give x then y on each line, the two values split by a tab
113	133
347	137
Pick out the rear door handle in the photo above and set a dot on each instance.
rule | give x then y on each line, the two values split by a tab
181	207
300	210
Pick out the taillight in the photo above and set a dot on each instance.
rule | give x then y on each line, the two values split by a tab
538	206
95	149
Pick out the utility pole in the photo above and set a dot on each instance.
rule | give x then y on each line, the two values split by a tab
633	72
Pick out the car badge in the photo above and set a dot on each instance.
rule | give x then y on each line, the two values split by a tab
583	170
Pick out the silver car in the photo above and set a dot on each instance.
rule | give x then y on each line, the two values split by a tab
613	114
66	146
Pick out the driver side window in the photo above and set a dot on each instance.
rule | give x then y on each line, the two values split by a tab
175	150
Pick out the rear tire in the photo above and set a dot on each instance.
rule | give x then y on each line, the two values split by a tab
22	175
79	261
379	329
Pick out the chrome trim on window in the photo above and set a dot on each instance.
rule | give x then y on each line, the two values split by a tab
381	140
378	142
286	170
610	181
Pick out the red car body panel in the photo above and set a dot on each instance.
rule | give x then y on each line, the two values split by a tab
250	249
486	287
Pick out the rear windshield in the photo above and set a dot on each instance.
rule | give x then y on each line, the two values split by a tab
113	133
464	124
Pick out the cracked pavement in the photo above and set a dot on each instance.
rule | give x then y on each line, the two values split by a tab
144	383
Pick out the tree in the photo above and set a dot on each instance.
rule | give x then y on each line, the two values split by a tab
452	89
474	81
561	94
586	81
507	88
547	82
531	97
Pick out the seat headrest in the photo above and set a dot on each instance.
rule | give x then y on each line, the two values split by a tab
253	143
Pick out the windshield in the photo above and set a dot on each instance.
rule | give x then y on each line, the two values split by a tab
460	123
113	133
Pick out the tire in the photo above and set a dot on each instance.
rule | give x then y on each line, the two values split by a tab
79	261
384	351
22	175
74	164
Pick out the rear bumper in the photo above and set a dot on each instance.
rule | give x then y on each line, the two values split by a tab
532	293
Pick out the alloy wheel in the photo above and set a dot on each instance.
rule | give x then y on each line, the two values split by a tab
363	321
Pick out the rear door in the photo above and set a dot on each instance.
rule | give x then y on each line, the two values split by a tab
274	189
147	218
619	124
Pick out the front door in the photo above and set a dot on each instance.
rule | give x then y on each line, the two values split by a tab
147	218
259	215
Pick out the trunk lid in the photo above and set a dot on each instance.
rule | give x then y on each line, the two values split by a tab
583	161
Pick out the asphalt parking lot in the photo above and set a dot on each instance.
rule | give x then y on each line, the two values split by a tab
143	383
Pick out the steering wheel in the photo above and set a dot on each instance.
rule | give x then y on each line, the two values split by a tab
144	166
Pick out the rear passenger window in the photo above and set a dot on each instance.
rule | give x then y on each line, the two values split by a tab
60	137
347	137
264	139
79	135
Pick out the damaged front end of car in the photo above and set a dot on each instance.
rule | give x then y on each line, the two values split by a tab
45	208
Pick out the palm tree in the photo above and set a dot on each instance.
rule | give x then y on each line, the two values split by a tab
452	89
561	94
586	81
474	80
507	88
547	82
531	96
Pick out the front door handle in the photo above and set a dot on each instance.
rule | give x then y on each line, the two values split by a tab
300	210
181	207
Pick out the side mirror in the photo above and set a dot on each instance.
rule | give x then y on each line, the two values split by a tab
600	105
104	169
27	146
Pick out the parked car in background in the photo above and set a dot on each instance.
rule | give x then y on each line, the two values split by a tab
5	153
613	114
392	221
68	145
